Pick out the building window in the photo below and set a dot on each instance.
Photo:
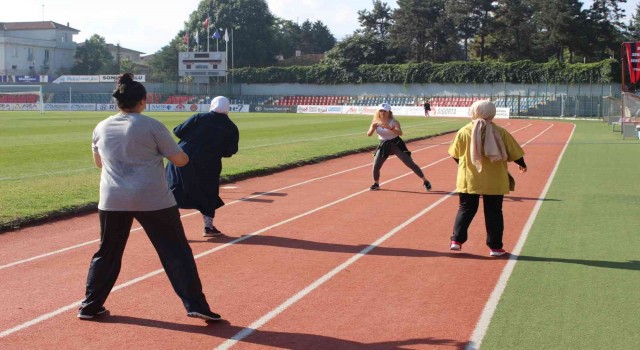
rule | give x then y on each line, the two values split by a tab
15	52
30	54
64	37
46	56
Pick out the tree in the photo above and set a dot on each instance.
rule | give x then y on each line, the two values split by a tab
249	25
93	57
164	63
423	29
513	31
377	21
633	30
321	37
605	29
556	22
287	37
356	49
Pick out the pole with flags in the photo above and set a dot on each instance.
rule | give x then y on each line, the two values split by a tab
206	25
226	50
196	36
216	35
185	40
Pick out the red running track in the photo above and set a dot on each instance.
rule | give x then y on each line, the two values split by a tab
313	260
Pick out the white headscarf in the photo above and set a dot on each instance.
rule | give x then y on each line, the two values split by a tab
220	104
485	140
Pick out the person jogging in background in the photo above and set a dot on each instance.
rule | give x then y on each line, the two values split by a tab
427	108
206	138
129	147
482	149
389	132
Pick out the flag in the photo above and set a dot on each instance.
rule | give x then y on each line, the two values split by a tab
216	35
226	35
206	22
185	38
195	36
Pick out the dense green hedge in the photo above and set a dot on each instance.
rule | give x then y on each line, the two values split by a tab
462	72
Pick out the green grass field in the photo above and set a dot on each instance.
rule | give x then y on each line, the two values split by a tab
575	285
46	166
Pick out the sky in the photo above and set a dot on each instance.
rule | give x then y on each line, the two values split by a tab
147	26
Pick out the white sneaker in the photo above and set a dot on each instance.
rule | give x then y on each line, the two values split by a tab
497	252
455	245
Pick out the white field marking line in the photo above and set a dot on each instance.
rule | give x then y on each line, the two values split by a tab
227	204
320	281
197	212
334	136
156	272
45	174
307	290
243	148
490	307
205	253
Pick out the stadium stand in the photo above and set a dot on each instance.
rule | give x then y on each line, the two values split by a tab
180	99
18	98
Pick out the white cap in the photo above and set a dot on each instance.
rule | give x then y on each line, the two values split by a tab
220	104
384	106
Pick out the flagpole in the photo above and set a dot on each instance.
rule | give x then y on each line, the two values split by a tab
226	53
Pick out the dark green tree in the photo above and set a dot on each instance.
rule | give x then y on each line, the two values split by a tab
423	29
513	31
633	31
249	25
164	63
605	29
93	57
557	23
287	37
321	37
357	49
378	20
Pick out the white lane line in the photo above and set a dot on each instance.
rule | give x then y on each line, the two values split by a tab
317	283
19	262
490	307
304	292
205	253
210	251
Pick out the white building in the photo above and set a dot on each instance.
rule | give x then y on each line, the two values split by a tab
36	48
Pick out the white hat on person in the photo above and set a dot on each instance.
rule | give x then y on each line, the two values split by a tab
384	107
220	104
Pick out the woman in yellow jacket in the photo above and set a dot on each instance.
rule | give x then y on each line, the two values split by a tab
482	150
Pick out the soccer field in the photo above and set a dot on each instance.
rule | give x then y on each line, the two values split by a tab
46	166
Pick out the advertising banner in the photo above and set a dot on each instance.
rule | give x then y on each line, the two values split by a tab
24	79
632	53
273	109
69	106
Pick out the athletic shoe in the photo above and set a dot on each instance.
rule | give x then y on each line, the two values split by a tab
211	232
374	187
497	252
84	316
455	245
427	186
206	315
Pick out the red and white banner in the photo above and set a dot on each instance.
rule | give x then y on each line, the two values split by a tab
632	53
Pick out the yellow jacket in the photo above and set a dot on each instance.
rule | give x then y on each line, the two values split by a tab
493	179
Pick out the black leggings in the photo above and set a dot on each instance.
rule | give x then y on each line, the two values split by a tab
493	219
404	157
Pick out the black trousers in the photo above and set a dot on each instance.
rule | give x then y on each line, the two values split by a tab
493	219
164	229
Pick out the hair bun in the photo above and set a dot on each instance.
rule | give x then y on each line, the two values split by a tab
125	78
